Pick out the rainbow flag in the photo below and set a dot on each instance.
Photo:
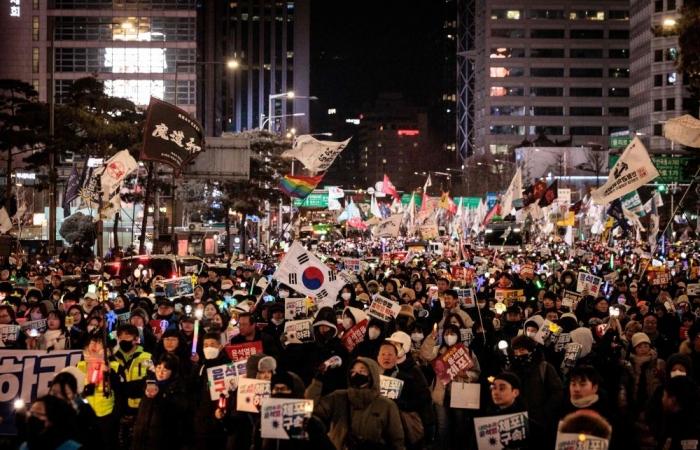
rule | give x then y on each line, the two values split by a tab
299	186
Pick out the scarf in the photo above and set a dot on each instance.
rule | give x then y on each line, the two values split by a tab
584	402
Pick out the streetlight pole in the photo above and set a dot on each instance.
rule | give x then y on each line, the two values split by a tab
290	95
52	151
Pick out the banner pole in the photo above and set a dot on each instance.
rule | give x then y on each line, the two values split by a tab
144	220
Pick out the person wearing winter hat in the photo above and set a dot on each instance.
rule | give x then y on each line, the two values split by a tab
647	370
359	417
352	316
406	318
408	295
375	334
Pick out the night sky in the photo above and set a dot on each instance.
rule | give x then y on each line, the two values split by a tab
363	47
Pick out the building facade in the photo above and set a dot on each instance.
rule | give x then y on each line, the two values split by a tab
134	46
562	71
270	39
657	90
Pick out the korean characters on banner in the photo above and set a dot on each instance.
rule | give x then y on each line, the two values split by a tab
352	264
178	287
383	309
453	361
223	379
570	299
548	333
658	277
8	334
467	297
251	393
298	331
390	387
509	296
527	271
588	284
33	327
354	335
26	374
240	352
295	308
501	432
285	418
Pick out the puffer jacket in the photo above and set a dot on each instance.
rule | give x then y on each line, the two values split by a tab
359	418
160	420
439	391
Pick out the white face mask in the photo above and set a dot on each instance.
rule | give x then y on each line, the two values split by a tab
284	294
373	333
210	352
417	337
346	295
347	323
277	321
530	334
450	340
677	373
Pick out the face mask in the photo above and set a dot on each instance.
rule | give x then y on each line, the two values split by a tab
277	321
521	359
373	333
450	340
284	294
283	395
210	352
358	380
417	337
126	346
347	323
346	295
530	334
677	373
35	426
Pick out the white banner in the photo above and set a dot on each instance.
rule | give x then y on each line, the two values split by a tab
285	418
633	170
223	379
315	155
514	192
683	130
389	227
498	432
251	393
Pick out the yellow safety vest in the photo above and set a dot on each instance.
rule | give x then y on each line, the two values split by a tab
102	404
134	369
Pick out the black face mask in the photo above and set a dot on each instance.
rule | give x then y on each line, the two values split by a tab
358	380
522	360
35	426
126	346
283	395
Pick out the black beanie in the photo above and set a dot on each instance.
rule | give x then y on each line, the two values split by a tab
510	378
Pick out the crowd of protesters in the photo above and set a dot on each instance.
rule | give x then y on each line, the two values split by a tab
633	378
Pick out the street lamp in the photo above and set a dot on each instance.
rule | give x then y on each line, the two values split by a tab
289	95
231	64
266	120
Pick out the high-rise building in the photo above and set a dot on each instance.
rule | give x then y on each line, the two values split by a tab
657	90
133	46
270	39
559	70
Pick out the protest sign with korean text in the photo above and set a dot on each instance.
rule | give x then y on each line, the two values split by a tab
223	379
178	287
383	309
26	374
354	335
575	441
295	308
455	360
251	393
588	284
299	331
390	387
285	418
239	352
467	297
499	432
693	289
509	296
8	334
570	299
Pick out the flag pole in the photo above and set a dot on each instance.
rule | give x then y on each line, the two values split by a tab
144	219
674	210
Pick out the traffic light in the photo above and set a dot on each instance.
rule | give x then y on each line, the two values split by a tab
662	188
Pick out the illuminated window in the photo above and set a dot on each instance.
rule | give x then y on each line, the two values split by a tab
35	60
509	14
507	129
35	28
499	149
584	14
501	91
506	52
35	85
506	72
507	110
671	78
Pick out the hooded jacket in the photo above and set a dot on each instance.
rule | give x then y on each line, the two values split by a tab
359	414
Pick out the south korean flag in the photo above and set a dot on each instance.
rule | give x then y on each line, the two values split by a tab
306	274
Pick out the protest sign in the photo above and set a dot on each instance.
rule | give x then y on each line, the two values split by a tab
123	317
383	309
611	277
9	333
450	363
223	379
561	341
547	333
239	352
390	387
658	277
467	297
251	392
527	271
38	325
295	308
575	441
158	326
693	289
508	296
299	330
285	418
498	432
352	264
26	374
588	284
178	287
354	335
570	299
466	336
465	395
